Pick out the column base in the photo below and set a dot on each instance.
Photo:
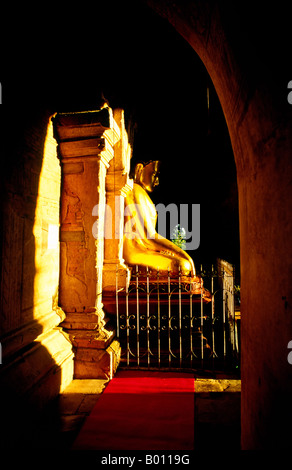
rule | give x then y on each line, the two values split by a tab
96	352
91	363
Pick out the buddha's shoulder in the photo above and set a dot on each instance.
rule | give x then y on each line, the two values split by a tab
138	188
138	191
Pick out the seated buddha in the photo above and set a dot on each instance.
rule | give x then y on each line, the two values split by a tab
142	245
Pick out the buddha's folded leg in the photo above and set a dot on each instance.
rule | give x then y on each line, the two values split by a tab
164	262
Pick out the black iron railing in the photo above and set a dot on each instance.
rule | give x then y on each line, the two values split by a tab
177	322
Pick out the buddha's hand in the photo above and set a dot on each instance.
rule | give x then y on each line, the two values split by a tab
166	252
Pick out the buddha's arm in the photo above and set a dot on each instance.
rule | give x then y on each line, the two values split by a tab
163	245
152	239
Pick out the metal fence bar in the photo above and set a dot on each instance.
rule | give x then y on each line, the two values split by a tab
202	326
169	318
117	303
158	320
213	314
127	320
137	317
192	319
233	315
147	317
191	326
224	314
179	318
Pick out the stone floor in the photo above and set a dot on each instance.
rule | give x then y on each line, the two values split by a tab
64	417
217	414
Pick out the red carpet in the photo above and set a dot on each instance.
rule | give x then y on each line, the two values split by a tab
142	411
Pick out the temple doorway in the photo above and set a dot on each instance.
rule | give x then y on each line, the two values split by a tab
153	80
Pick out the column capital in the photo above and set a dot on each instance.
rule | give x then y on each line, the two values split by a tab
85	124
90	134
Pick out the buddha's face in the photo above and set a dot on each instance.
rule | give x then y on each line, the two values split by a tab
149	176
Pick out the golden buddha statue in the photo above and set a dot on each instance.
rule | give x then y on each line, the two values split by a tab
143	246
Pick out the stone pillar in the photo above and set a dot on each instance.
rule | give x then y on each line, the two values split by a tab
85	149
118	184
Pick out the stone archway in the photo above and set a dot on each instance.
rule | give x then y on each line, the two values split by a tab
259	123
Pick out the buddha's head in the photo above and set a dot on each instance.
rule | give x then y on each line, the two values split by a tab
147	175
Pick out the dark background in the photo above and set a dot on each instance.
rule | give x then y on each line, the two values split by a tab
64	59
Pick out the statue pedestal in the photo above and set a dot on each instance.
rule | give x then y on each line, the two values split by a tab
159	322
187	287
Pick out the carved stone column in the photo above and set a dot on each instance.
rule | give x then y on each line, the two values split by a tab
118	184
85	149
